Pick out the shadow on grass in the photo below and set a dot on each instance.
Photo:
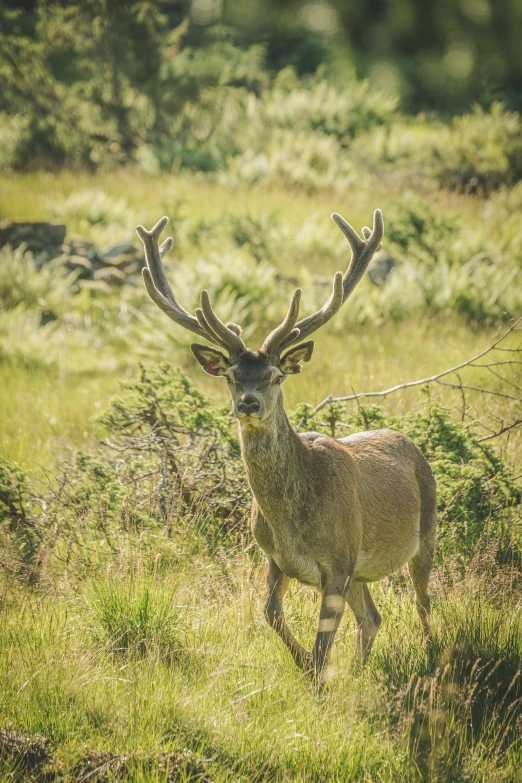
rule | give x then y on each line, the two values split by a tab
459	696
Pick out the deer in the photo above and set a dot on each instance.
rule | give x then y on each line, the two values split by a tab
335	514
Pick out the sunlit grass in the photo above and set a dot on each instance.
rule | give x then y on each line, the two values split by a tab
232	694
45	411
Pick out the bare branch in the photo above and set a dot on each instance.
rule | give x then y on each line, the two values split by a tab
430	379
501	432
480	389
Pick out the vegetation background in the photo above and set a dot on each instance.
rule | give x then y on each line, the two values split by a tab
132	638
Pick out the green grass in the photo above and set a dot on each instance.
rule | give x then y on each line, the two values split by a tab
47	411
145	653
231	694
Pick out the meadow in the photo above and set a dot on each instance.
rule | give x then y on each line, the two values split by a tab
132	643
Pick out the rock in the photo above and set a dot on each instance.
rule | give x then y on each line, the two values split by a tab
44	240
80	264
86	249
132	269
380	267
111	275
95	285
122	254
37	236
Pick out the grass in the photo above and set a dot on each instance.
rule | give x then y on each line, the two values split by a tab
46	411
231	694
147	658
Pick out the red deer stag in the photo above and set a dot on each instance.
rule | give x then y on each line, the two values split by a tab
332	513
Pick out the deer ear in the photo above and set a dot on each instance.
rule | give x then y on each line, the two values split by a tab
301	353
213	362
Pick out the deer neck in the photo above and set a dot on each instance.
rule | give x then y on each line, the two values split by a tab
274	458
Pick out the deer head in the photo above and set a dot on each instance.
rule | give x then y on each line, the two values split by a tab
255	377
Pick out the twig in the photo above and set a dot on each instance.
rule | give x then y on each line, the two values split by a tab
500	432
480	389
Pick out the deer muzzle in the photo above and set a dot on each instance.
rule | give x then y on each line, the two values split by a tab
248	405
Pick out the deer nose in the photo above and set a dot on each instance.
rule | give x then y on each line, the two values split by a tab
248	405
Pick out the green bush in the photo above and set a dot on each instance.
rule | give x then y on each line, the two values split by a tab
20	536
480	151
171	461
417	224
319	106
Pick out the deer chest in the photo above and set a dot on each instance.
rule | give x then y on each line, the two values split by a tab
288	552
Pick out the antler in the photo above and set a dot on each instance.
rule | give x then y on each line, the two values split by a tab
206	323
291	330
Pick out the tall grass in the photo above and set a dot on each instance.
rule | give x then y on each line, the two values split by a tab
231	694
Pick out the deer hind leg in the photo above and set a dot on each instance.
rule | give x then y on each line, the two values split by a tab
278	584
421	564
367	616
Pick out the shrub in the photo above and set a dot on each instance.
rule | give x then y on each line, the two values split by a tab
171	457
19	533
23	286
480	152
417	224
165	436
87	209
304	160
316	105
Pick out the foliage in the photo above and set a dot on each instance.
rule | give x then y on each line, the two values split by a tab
418	224
415	713
22	285
13	492
136	615
480	152
19	535
171	460
443	56
476	490
96	83
316	105
162	426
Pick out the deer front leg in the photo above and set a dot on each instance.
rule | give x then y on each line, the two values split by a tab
277	586
332	609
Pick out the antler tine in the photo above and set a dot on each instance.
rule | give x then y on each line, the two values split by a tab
157	285
362	251
286	327
154	254
206	326
228	337
343	285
